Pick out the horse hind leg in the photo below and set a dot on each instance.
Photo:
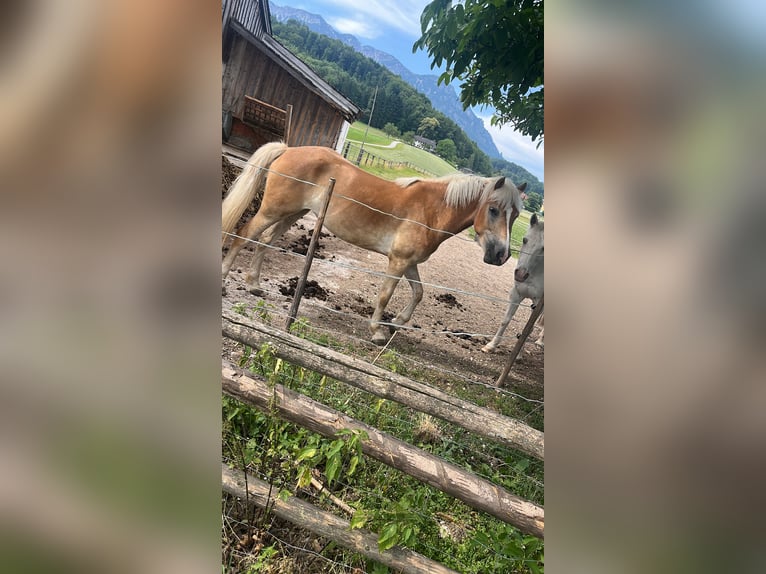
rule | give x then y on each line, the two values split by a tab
413	277
275	231
513	304
251	231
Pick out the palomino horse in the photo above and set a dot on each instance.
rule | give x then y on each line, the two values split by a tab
405	220
528	277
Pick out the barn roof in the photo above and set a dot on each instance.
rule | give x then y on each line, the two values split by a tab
252	20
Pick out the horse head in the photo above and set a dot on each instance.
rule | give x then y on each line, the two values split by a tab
532	251
494	219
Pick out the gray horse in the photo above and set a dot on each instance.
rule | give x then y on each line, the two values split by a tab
528	278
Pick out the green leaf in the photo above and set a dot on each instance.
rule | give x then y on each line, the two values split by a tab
482	538
359	519
306	452
388	537
451	28
332	467
459	14
335	448
304	477
352	465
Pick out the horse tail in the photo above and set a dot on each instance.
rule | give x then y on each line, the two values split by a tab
249	182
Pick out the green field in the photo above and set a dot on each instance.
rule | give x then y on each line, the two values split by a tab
431	165
374	135
520	227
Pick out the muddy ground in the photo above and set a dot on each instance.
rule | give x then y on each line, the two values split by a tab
451	325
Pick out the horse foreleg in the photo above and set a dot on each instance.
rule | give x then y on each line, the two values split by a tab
512	306
540	340
269	235
413	277
379	332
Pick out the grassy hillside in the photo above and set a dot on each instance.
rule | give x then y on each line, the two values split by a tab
376	143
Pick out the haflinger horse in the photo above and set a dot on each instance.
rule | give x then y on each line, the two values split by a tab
528	278
406	219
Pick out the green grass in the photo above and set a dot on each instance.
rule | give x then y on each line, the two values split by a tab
402	510
374	135
429	164
520	227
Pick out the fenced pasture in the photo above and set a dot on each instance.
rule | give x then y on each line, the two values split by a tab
377	144
374	136
372	160
410	458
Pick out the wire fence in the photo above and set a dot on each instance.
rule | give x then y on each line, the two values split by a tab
363	157
447	528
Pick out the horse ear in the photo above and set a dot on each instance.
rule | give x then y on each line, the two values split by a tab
533	220
500	182
522	187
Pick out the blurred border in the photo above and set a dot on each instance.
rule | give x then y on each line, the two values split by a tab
109	288
655	316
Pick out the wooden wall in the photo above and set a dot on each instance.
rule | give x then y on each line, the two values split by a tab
247	12
249	71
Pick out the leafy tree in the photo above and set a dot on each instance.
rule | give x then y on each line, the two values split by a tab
534	201
391	130
494	48
518	175
447	150
428	126
397	103
481	164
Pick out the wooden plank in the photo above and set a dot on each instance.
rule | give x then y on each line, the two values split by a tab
301	285
477	492
325	524
386	384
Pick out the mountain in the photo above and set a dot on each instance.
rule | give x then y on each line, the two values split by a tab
443	98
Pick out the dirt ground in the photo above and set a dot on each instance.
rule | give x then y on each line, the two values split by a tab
341	300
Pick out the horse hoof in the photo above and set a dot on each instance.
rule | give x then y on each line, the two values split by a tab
257	291
223	290
379	338
487	349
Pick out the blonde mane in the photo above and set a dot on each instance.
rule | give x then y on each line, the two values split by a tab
463	189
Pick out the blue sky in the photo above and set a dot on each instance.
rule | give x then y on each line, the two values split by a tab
394	26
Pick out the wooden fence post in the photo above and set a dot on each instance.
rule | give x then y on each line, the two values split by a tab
538	309
288	123
299	288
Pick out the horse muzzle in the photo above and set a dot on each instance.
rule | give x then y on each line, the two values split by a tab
496	253
521	274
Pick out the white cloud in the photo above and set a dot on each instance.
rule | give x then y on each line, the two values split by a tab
372	17
356	27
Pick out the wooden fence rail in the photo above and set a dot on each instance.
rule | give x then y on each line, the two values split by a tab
536	312
326	524
451	479
385	384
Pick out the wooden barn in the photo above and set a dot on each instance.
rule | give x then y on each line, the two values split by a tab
268	93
